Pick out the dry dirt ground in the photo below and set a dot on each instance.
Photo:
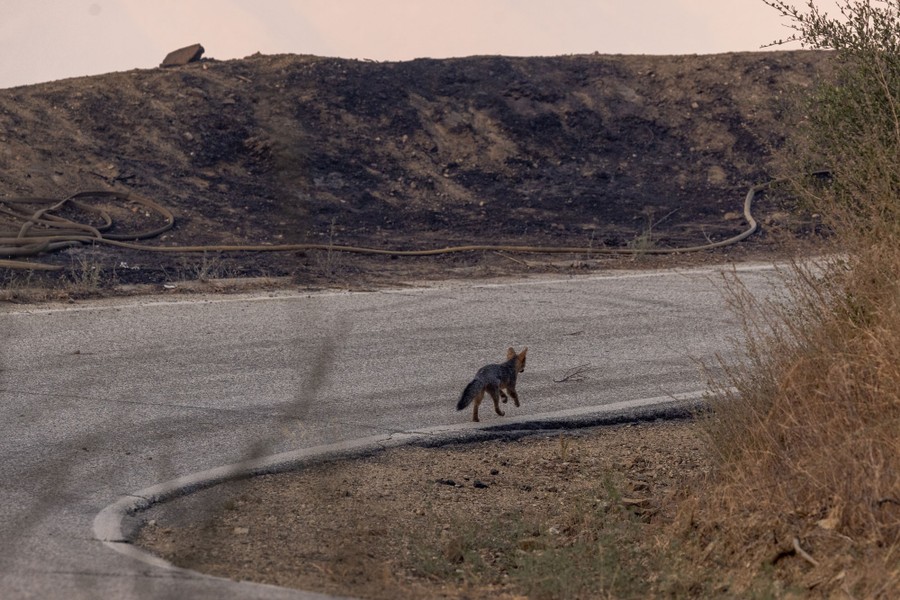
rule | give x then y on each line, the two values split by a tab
557	515
599	151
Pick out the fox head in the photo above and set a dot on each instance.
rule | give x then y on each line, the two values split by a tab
519	358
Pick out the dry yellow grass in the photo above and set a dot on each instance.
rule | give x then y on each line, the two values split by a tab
808	446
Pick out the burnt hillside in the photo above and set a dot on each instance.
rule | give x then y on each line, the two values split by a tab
526	150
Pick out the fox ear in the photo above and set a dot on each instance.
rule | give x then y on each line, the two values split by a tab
510	353
524	350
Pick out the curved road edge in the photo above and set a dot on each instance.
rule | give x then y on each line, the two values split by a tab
116	526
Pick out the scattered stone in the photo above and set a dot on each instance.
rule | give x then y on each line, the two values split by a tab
777	218
640	486
446	482
716	175
531	544
241	530
480	484
635	501
183	56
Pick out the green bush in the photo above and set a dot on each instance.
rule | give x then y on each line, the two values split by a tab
852	123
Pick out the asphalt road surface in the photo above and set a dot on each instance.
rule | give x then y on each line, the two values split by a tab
101	399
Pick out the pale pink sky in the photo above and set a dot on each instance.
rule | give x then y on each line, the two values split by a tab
43	40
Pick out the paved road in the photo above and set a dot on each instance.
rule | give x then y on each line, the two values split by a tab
100	400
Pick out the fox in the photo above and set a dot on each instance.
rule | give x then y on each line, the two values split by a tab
496	380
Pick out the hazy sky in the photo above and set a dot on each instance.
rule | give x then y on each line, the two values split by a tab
43	40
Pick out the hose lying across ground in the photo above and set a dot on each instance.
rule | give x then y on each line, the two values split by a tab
44	231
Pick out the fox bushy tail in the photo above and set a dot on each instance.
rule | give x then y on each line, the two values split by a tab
469	394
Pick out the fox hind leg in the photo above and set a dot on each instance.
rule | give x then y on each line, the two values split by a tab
475	404
493	391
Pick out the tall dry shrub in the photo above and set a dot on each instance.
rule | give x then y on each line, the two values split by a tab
808	491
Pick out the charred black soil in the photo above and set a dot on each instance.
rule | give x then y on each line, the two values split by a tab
598	151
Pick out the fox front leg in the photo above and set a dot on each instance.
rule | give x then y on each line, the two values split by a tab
515	396
503	396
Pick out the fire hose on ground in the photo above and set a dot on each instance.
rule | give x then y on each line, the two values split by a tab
44	231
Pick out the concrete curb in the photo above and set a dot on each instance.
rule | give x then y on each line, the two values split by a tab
110	524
